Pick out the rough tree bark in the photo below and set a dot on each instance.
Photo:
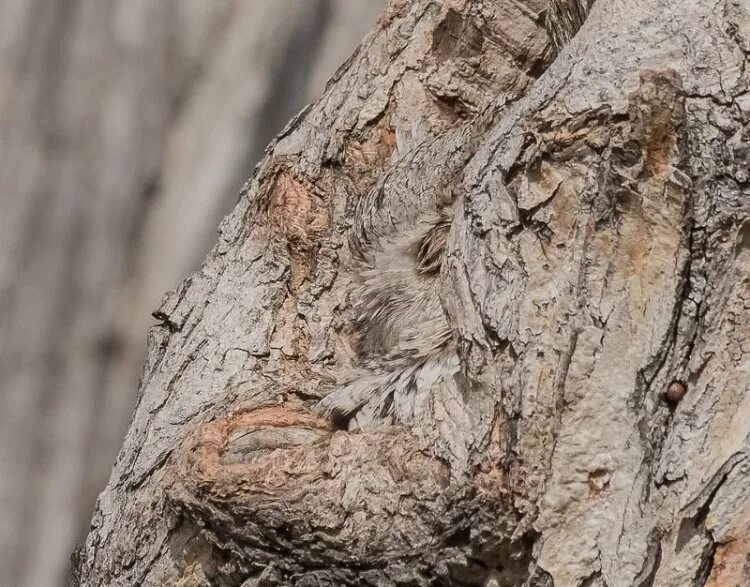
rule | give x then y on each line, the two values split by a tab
600	252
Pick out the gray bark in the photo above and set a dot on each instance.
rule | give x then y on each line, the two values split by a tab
126	129
599	253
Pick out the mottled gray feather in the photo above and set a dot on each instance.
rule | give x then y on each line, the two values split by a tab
404	340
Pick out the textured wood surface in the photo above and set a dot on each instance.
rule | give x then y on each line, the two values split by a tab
599	254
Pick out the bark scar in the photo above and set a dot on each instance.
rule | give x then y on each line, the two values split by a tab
657	111
294	210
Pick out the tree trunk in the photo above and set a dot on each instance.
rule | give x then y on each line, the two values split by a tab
112	188
595	280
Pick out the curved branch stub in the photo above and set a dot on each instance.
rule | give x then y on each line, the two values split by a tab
282	473
278	484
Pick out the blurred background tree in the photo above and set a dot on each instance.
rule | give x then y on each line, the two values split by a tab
126	130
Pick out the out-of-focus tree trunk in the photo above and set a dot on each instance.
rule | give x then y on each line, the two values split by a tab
599	255
126	130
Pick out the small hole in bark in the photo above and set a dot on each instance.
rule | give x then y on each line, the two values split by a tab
459	537
340	421
598	481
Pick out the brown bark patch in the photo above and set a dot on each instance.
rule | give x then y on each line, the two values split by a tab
294	210
373	151
659	143
731	564
298	215
282	447
279	424
657	111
